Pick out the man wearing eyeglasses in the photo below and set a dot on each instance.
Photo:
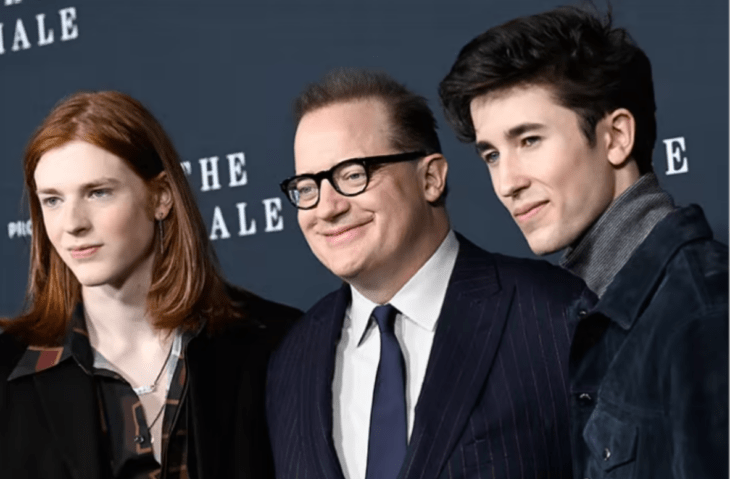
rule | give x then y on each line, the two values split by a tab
434	358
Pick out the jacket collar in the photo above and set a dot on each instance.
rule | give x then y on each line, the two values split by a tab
629	291
468	334
317	423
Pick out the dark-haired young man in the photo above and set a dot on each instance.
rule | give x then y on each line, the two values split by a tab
435	359
561	108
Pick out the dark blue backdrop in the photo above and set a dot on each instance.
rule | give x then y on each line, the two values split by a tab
221	76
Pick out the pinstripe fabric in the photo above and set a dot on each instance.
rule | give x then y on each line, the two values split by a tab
494	402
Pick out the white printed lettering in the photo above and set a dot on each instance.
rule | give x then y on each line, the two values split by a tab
236	162
20	37
274	220
45	37
209	173
676	163
244	230
218	226
69	30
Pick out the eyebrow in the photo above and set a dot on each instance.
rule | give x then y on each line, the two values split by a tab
512	133
85	187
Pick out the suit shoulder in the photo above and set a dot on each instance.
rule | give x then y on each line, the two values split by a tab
310	318
534	268
309	324
538	274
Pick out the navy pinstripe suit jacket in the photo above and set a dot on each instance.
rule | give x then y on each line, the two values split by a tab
494	402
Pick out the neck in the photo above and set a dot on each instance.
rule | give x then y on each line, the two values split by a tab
116	314
380	286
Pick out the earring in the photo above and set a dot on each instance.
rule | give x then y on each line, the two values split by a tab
160	232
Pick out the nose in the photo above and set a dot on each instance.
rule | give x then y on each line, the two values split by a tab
509	178
331	203
75	217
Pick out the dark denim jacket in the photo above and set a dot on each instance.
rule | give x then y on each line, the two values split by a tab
649	364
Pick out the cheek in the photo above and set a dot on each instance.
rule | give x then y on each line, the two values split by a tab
53	228
494	179
570	174
584	187
123	222
304	218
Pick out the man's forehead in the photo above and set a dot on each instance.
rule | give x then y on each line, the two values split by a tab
338	132
508	108
352	114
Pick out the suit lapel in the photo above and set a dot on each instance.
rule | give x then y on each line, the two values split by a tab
319	373
467	337
70	405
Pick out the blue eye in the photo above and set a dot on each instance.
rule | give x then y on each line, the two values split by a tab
491	157
50	201
100	193
530	140
306	191
354	176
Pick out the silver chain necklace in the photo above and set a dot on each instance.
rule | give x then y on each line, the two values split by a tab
142	390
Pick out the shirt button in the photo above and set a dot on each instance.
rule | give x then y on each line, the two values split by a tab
585	399
582	313
606	454
138	439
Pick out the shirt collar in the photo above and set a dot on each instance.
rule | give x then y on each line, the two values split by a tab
420	299
75	345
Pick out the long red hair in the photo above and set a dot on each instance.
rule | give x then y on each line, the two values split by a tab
185	280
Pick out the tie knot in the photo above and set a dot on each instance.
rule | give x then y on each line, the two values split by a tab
385	317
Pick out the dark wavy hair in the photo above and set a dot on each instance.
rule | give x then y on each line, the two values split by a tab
186	284
591	68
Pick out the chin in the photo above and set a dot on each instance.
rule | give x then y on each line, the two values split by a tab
542	245
344	268
90	282
90	279
345	273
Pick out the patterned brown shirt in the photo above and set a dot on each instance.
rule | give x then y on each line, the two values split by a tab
122	417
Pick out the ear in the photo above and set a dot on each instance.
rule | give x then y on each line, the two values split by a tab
435	170
621	132
162	196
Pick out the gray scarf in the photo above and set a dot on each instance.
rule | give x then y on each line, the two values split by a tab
607	245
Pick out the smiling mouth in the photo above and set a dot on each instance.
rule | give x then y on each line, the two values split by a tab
343	233
85	252
524	214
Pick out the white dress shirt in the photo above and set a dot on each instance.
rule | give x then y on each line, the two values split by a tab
419	302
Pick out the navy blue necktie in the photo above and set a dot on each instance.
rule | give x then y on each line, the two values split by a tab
388	438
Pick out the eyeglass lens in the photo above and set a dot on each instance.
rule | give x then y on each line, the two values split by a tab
347	179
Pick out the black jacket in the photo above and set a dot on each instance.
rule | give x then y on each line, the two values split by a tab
49	421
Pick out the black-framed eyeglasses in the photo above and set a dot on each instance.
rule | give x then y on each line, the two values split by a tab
348	178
